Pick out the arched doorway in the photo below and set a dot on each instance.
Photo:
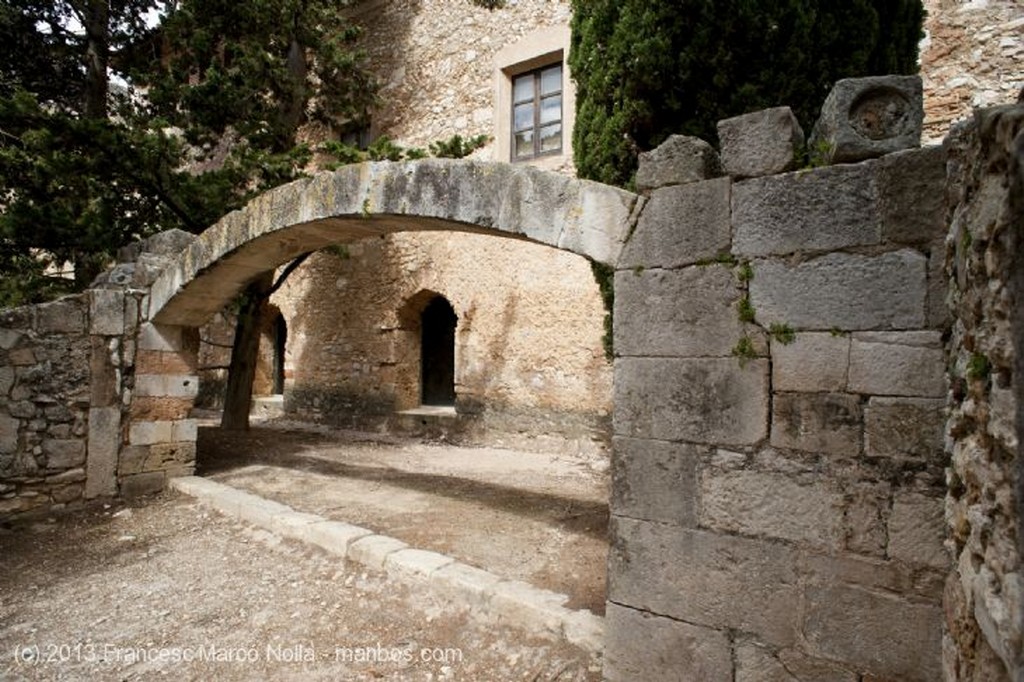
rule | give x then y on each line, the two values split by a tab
437	353
279	334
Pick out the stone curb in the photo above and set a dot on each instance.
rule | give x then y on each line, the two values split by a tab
511	602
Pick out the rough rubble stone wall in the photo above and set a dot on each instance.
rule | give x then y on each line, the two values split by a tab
971	57
985	593
777	503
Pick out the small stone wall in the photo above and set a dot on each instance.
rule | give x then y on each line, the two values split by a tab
985	593
778	469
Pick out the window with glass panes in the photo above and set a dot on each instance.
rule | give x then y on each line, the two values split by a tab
537	113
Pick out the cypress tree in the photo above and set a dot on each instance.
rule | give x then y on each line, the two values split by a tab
646	69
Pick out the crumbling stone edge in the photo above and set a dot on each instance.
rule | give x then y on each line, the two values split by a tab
491	597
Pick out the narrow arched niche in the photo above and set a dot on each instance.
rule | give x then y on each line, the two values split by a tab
437	353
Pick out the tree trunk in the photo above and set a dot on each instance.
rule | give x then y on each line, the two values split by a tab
97	16
244	355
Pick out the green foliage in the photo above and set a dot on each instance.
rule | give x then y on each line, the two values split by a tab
744	350
489	4
604	275
383	149
745	309
745	272
782	333
646	69
978	367
456	147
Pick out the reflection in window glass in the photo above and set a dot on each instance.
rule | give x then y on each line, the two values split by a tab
537	113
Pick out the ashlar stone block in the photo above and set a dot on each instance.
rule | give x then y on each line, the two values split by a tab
655	480
910	428
707	579
676	313
755	663
828	423
700	400
772	505
760	143
679	160
681	226
644	646
103	444
867	117
842	291
917	530
898	363
814	361
806	211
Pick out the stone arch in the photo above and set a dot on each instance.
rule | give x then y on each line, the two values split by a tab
370	199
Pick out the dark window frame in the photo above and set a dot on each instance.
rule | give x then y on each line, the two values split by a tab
536	100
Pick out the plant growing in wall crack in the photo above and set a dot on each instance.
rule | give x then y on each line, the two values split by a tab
745	349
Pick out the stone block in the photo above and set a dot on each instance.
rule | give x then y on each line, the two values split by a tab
676	313
106	312
912	196
585	630
160	337
291	524
643	646
167	385
63	454
148	483
815	361
681	226
9	434
655	480
522	605
912	428
874	632
898	363
103	445
163	362
708	579
867	117
155	408
148	433
756	663
772	505
867	506
22	409
764	142
464	584
163	456
184	430
372	550
826	423
706	400
842	291
104	384
337	538
679	160
21	357
873	573
258	510
9	338
820	210
64	316
917	530
939	316
415	565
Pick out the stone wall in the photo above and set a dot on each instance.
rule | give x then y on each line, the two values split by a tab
971	57
778	469
985	593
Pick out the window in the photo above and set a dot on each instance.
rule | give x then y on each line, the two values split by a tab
537	113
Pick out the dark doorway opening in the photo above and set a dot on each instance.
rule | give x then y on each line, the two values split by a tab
438	353
280	334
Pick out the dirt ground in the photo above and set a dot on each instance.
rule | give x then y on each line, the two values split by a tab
533	517
168	589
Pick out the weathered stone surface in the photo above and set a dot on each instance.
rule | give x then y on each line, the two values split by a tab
905	427
814	361
337	538
671	650
137	485
912	197
705	578
772	505
875	632
465	582
917	530
820	210
167	385
867	506
679	160
760	143
681	226
372	550
167	243
8	434
106	312
828	423
148	433
867	117
756	663
104	441
522	605
152	408
415	565
64	454
655	480
824	570
676	313
843	291
898	363
160	337
64	316
700	400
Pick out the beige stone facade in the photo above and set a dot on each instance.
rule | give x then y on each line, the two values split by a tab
528	341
